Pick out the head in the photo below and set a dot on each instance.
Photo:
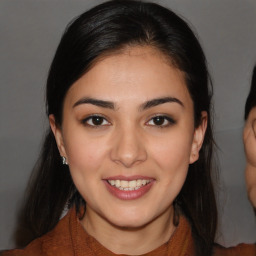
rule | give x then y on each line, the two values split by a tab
249	140
120	32
251	99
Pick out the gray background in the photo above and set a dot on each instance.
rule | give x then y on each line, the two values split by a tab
29	33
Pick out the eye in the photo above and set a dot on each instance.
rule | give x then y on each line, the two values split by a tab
161	121
95	120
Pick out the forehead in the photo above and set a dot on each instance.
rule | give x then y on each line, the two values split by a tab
134	73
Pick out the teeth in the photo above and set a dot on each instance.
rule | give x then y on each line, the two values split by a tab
139	183
112	182
124	183
128	185
132	184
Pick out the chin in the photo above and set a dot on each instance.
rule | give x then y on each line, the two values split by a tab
132	224
130	220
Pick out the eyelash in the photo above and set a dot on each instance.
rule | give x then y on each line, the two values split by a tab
167	121
90	118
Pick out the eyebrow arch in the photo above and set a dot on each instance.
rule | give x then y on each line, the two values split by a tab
111	105
159	101
96	102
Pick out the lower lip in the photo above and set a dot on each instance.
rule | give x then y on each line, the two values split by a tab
128	194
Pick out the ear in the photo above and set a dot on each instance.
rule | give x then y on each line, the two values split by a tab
58	135
198	138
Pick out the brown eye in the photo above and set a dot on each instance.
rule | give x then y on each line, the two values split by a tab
161	121
96	121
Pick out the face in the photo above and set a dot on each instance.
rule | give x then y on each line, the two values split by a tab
128	135
249	138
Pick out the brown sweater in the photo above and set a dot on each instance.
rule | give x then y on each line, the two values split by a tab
68	238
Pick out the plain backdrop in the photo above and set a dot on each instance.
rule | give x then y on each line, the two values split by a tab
29	33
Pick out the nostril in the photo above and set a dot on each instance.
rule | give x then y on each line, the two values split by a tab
128	148
128	157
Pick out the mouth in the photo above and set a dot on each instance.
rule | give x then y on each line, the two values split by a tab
129	185
128	188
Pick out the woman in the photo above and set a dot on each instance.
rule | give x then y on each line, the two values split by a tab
250	142
130	144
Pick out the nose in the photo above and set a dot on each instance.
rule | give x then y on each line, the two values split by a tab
128	148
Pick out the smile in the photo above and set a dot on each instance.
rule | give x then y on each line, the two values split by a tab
129	188
128	185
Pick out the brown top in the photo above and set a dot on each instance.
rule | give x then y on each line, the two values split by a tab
69	238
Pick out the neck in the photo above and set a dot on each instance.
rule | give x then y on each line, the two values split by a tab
131	241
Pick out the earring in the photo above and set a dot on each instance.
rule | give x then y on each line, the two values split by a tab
64	160
176	217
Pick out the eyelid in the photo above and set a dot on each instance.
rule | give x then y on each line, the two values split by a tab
169	119
85	120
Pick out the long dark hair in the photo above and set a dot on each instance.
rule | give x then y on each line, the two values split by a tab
106	29
251	99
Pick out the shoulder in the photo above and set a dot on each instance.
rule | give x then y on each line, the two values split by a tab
239	250
34	248
56	242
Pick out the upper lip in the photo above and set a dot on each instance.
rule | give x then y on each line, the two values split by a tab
129	178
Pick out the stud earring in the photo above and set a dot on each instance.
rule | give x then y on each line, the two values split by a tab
64	160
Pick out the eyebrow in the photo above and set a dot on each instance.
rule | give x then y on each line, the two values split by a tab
159	101
96	102
111	105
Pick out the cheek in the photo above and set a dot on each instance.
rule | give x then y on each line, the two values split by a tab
173	153
86	158
85	154
172	157
173	160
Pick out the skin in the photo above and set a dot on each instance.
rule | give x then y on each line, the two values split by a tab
249	137
129	142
